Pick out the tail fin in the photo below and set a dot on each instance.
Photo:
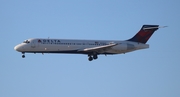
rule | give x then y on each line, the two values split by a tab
144	34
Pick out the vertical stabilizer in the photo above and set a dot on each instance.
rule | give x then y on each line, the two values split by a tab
144	34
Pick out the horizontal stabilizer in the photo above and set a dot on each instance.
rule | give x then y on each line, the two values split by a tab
154	27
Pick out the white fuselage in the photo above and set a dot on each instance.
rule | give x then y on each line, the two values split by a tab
71	46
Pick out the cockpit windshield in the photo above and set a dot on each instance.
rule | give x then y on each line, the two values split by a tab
26	41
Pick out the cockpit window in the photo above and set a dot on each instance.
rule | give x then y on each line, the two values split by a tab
26	41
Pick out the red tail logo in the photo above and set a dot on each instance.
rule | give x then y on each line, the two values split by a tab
144	34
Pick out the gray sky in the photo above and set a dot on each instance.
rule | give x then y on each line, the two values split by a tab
154	72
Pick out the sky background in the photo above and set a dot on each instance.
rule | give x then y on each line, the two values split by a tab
153	72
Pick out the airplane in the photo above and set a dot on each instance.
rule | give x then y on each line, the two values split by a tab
91	48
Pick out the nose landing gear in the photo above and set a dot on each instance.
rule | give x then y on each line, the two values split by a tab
23	55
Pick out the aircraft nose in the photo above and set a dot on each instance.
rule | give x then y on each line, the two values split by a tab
18	48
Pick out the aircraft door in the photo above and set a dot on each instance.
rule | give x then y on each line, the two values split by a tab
33	44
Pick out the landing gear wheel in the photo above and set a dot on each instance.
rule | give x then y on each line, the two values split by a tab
90	58
23	56
95	56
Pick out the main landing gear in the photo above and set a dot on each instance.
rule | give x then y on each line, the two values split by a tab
91	57
23	55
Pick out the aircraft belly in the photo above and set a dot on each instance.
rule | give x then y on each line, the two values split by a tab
67	48
122	48
114	51
63	48
52	48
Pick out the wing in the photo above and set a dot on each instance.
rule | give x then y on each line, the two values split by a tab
99	48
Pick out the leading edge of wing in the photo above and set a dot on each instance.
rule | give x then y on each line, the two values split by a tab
98	47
